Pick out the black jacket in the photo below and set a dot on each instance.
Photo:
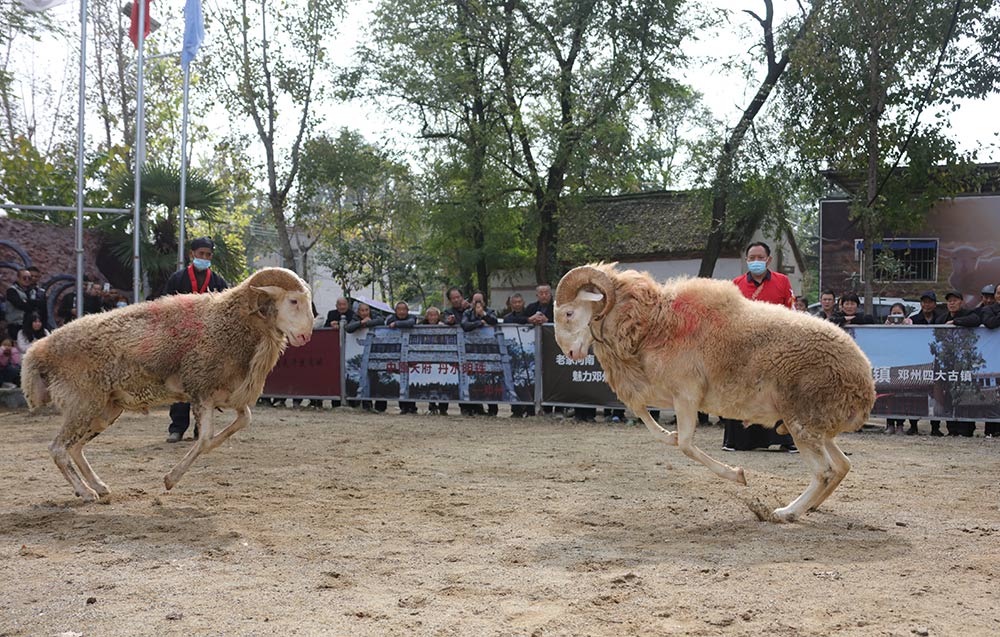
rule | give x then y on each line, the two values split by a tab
859	319
180	282
963	318
470	321
536	307
991	315
334	316
516	317
356	325
394	320
936	318
458	314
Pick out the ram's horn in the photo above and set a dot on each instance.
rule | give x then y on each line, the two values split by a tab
587	275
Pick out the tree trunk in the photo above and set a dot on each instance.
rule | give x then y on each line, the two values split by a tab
724	169
545	255
869	225
281	225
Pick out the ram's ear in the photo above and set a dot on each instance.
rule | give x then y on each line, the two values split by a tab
263	296
584	295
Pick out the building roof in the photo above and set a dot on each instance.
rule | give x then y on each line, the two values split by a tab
982	179
649	225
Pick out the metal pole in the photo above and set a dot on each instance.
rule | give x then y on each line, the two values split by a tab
81	113
140	148
118	211
184	139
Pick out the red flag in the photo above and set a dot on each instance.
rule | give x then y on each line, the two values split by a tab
133	29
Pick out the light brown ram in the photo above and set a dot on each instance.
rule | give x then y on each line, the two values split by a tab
699	345
212	350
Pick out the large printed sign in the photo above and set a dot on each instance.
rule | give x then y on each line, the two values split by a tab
569	382
492	364
310	371
920	372
933	372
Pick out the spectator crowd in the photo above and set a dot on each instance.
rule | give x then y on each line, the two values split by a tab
952	312
24	313
24	316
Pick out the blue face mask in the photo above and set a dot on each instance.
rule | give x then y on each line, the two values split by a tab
201	264
757	267
121	304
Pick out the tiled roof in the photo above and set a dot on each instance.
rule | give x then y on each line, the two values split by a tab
659	224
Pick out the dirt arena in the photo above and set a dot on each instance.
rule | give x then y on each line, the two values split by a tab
343	523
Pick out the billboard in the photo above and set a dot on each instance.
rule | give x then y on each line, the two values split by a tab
310	371
569	382
492	364
955	248
933	372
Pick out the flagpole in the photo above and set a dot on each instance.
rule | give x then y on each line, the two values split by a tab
81	113
184	161
140	149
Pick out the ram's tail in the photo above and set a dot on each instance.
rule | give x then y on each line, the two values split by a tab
36	390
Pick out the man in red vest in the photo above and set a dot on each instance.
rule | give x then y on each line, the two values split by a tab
197	278
760	284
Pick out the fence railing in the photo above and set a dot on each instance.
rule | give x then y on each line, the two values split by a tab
920	371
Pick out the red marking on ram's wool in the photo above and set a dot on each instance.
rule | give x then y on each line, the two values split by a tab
690	314
177	337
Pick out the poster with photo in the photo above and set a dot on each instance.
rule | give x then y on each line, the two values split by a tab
492	364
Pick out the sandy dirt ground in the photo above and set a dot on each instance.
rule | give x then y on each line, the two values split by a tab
343	523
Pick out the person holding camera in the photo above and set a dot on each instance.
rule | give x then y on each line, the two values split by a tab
23	297
897	316
10	363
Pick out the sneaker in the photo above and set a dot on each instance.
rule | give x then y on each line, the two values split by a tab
615	419
725	448
174	436
8	386
790	448
912	431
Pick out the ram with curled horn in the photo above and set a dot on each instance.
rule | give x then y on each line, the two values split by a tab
700	345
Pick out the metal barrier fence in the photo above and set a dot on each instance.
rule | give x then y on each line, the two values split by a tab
920	371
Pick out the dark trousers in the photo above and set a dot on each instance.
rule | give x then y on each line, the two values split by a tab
992	428
11	374
180	417
407	407
441	408
960	428
745	438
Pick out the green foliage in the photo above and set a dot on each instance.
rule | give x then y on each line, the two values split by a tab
160	208
266	67
957	350
866	93
27	177
524	103
359	204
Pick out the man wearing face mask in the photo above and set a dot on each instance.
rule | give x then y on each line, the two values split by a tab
197	278
760	284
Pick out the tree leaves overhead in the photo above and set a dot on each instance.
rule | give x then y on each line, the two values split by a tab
866	92
522	96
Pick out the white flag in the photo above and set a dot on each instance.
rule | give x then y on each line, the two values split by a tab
34	6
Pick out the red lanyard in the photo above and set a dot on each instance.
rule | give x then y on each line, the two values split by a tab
194	281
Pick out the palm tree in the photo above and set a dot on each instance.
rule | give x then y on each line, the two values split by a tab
160	200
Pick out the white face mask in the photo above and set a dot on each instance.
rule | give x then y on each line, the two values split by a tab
896	315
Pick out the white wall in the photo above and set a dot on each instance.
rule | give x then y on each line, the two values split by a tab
325	290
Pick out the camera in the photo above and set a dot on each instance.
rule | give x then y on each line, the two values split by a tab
896	319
